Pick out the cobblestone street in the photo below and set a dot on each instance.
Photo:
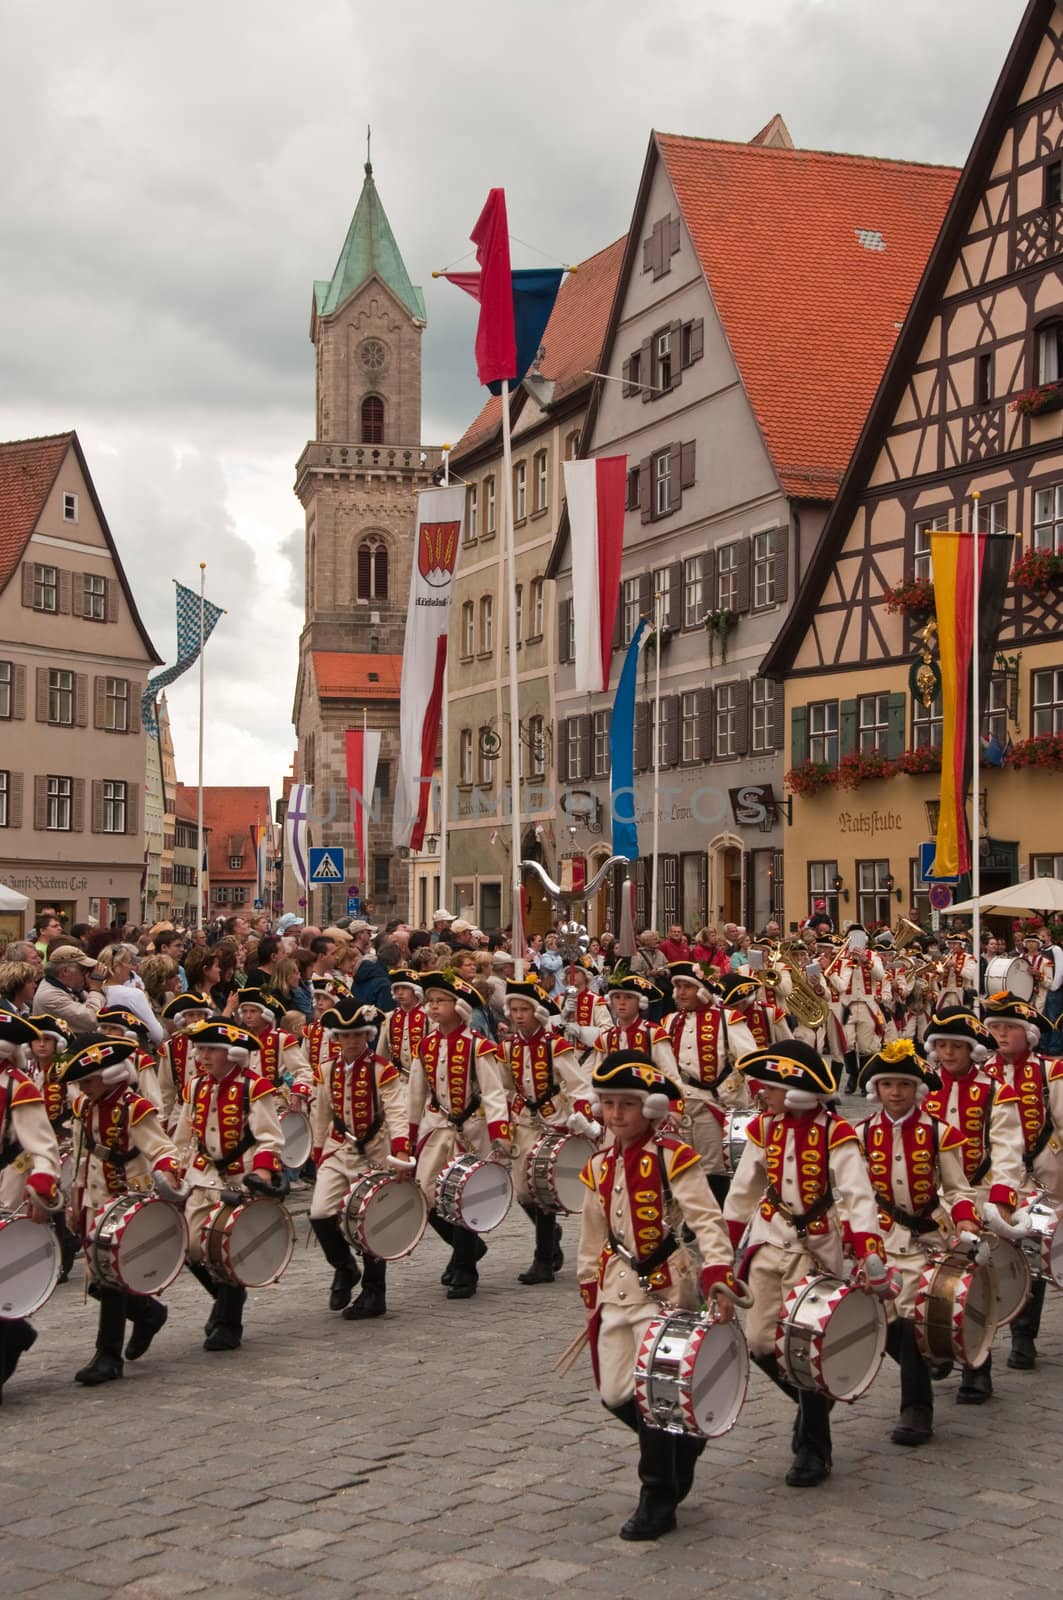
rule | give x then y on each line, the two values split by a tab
434	1453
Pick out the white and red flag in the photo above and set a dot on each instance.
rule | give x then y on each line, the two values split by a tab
363	753
596	492
440	514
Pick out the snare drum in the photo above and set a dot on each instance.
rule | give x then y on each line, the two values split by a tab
554	1167
831	1337
955	1312
29	1265
1044	1249
1013	1274
383	1214
249	1244
67	1168
137	1242
473	1193
691	1374
298	1139
734	1138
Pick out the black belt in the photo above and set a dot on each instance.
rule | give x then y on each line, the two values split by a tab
341	1130
223	1162
114	1157
648	1264
460	1120
801	1221
544	1100
915	1221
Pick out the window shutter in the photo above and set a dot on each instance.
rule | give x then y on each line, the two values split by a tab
77	806
97	805
42	694
674	619
81	699
646	373
646	595
896	724
647	253
778	714
618	619
64	592
564	612
135	692
742	586
40	803
708	579
586	725
847	728
99	701
14	800
646	488
670	719
780	541
742	715
27	583
706	724
562	751
132	808
686	465
18	706
798	736
77	595
697	340
676	332
643	736
111	586
627	387
675	484
673	235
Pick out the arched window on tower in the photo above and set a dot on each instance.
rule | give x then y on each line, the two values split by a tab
372	419
372	569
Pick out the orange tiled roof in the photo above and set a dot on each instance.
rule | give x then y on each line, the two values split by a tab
573	337
811	312
229	811
28	469
347	675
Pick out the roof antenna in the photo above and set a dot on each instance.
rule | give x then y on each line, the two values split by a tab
368	151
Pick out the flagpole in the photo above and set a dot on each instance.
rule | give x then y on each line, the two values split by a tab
443	899
200	919
656	759
976	757
514	699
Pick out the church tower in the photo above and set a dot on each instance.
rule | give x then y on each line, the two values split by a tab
357	480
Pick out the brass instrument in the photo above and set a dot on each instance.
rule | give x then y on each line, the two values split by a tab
808	1007
905	931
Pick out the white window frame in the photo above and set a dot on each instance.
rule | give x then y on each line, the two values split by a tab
236	863
823	732
489	504
629	603
662	591
116	807
995	721
922	563
94	596
1046	866
45	588
662	358
518	614
872	723
1046	701
538	608
689	727
487	624
60	813
693	591
465	756
1048	518
727	577
600	744
520	491
7	690
763	571
70	506
536	747
5	799
116	705
1050	353
872	891
485	774
662	483
468	629
726	721
542	480
928	724
762	721
62	694
471	509
575	750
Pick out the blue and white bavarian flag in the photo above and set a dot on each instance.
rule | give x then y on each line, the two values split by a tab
196	619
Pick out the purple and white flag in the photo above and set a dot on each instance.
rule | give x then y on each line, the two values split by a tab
296	823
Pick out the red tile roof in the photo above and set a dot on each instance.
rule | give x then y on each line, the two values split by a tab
228	811
572	341
28	469
810	311
346	675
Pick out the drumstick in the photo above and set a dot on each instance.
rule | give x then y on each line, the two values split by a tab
571	1353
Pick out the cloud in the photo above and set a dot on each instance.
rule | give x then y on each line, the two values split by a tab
189	171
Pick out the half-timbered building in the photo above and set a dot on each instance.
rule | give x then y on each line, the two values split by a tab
968	411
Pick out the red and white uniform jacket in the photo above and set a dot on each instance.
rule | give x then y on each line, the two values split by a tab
916	1166
1038	1083
861	985
706	1043
765	1020
590	1018
319	1049
544	1080
795	1173
406	1032
282	1059
958	979
175	1062
641	1035
29	1151
121	1143
458	1076
228	1127
364	1099
986	1116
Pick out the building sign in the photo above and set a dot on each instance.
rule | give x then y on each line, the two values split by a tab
753	804
870	823
46	883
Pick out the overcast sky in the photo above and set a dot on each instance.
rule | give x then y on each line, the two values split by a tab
179	174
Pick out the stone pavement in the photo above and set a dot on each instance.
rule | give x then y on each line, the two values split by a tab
433	1453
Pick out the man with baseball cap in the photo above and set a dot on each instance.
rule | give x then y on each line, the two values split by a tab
70	988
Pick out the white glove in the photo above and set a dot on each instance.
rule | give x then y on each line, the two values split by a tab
997	1223
501	1150
874	1269
402	1163
578	1123
975	1245
175	1194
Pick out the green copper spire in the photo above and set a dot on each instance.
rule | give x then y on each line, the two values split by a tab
369	249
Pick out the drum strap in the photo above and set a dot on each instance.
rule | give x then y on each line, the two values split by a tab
801	1221
113	1156
1039	1144
665	1249
341	1130
915	1221
222	1163
462	1118
8	1153
544	1100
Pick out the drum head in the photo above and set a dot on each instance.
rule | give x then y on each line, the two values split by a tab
486	1196
393	1218
29	1266
298	1139
1052	1252
979	1318
719	1379
1008	972
570	1158
261	1241
854	1342
152	1249
735	1138
1013	1277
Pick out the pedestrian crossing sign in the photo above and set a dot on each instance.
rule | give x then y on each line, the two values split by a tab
327	864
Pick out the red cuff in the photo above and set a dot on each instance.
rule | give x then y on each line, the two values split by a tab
315	1155
736	1230
1001	1195
868	1244
401	1147
584	1109
302	1090
166	1164
588	1293
266	1161
46	1188
499	1130
709	1277
964	1211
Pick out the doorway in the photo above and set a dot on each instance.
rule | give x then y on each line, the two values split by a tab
731	883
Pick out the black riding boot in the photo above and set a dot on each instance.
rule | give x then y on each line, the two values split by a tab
468	1249
688	1448
852	1071
976	1384
627	1413
655	1512
542	1267
337	1253
202	1276
720	1185
1025	1328
769	1365
445	1231
148	1316
228	1330
106	1364
69	1246
16	1337
371	1302
812	1457
916	1423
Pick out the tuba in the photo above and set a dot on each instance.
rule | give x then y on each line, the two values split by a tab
808	1007
905	931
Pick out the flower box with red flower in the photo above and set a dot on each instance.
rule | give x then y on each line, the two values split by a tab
1043	752
1038	570
916	762
863	766
913	597
1037	401
810	778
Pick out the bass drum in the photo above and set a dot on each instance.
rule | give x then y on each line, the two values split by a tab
383	1214
249	1244
691	1374
1013	1274
137	1242
298	1139
554	1167
831	1337
29	1265
956	1311
1010	973
734	1138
